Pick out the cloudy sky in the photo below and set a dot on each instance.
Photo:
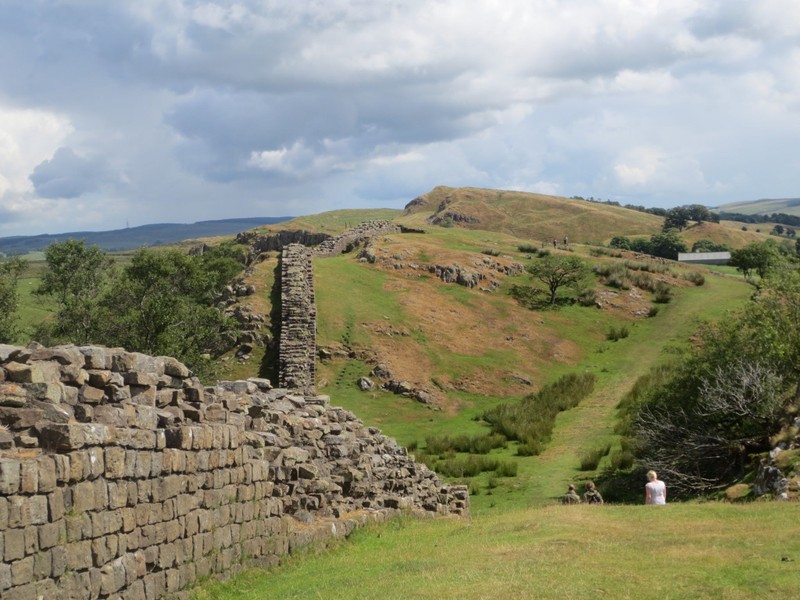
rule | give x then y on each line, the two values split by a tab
139	111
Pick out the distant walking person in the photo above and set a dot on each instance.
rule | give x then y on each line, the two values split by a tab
655	491
571	497
565	240
591	495
555	243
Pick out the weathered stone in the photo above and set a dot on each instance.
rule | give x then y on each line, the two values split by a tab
91	395
12	394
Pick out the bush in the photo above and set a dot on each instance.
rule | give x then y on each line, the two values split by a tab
531	420
663	293
694	277
587	297
591	459
617	333
621	460
490	252
528	248
653	311
472	444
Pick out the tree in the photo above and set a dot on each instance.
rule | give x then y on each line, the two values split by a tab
163	304
621	242
709	246
559	270
10	272
704	444
76	278
676	218
666	245
760	257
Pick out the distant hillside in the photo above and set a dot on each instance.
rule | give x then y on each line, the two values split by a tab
136	237
528	216
789	206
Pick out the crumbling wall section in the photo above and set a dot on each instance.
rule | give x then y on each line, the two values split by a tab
355	237
121	476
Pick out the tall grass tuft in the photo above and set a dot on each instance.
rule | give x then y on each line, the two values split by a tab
531	420
591	459
617	333
473	444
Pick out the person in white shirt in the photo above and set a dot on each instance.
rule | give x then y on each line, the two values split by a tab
655	491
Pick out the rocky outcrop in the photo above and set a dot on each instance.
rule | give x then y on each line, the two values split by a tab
122	476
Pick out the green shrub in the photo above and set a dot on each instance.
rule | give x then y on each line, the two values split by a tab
663	293
528	248
591	459
531	420
472	444
587	296
621	460
694	277
617	333
653	311
490	252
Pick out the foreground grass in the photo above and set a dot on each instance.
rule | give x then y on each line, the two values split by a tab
679	551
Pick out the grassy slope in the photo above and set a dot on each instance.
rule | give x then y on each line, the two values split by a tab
789	206
537	216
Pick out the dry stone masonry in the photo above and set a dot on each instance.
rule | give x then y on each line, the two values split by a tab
355	237
122	477
297	342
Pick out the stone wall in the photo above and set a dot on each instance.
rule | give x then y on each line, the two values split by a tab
355	237
297	341
277	241
121	476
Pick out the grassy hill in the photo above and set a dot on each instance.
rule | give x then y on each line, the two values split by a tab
529	216
471	349
789	206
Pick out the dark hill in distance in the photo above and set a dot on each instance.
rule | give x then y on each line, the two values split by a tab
136	237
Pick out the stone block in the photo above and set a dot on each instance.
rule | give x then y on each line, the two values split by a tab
143	394
51	534
14	542
96	357
73	375
91	395
22	571
71	436
42	565
46	474
29	480
10	476
13	395
79	555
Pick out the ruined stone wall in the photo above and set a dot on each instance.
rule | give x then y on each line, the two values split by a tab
355	237
298	331
121	476
277	241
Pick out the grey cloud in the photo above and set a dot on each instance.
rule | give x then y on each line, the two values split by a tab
68	175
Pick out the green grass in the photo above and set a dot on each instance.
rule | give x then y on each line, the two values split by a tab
677	551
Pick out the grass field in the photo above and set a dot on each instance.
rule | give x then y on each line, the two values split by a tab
690	550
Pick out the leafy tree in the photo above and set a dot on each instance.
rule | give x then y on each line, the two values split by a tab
559	270
163	304
758	257
10	272
666	245
76	277
676	218
709	246
621	242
